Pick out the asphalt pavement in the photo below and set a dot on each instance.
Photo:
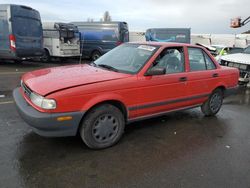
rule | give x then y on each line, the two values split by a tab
181	149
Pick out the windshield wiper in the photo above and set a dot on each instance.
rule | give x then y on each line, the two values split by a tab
92	63
108	67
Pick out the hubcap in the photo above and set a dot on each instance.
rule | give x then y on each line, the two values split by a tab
105	128
215	102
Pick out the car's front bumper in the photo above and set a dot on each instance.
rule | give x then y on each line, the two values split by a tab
46	124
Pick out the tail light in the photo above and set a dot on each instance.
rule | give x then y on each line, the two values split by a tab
118	43
12	42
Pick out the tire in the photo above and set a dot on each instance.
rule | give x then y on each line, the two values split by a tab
102	127
95	55
213	104
46	57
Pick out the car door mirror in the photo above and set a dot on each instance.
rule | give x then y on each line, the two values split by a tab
155	71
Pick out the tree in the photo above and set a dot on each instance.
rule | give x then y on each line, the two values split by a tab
107	17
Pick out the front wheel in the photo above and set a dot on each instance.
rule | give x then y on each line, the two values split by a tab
213	104
102	127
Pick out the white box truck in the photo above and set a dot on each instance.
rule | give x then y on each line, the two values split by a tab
60	40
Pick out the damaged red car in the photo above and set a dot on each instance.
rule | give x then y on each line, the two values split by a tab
132	82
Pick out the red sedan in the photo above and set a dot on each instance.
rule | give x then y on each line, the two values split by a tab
131	82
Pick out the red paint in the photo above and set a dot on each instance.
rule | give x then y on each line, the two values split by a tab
87	86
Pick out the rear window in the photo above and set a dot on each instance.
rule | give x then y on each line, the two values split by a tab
27	27
199	60
98	34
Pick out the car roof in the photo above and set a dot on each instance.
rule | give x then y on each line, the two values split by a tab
164	44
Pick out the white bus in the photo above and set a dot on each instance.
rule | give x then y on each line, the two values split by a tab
60	40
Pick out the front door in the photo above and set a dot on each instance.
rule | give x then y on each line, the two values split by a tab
161	93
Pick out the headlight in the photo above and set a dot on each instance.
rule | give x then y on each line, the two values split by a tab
40	101
49	104
244	67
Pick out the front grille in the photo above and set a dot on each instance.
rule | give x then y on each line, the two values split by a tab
243	68
26	90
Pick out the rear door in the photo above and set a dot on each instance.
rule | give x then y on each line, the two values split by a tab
27	29
4	33
123	32
203	75
28	34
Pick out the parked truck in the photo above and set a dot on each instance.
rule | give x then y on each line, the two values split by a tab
180	35
60	40
20	32
97	38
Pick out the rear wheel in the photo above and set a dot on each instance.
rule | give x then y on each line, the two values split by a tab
213	104
95	55
46	57
102	127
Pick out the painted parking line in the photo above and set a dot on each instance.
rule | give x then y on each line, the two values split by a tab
8	73
7	102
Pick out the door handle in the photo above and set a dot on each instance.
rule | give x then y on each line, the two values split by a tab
183	79
215	75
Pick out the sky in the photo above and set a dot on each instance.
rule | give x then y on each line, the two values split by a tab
202	16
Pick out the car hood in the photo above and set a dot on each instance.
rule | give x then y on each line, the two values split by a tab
50	80
237	58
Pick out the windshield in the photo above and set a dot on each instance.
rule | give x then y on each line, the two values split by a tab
247	50
127	58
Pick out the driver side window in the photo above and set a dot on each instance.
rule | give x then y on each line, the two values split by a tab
172	59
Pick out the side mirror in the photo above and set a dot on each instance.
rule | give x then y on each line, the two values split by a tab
155	71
